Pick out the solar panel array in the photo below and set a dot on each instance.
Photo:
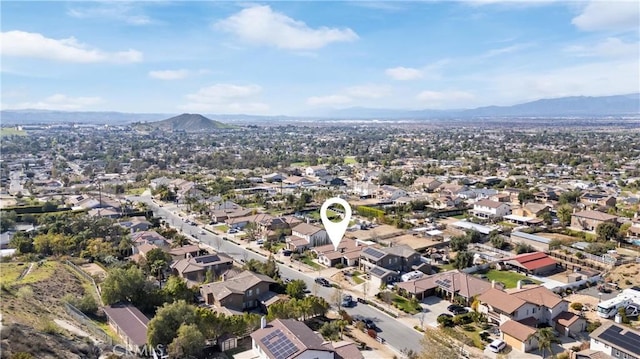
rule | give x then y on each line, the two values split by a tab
444	283
373	252
279	345
629	341
377	271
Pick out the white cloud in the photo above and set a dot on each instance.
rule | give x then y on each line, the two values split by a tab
169	74
609	15
611	47
59	102
403	73
35	45
115	10
444	98
330	100
368	91
262	25
226	98
505	50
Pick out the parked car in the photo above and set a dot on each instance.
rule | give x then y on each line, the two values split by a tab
454	307
232	231
497	345
260	242
459	311
347	301
286	252
369	324
323	282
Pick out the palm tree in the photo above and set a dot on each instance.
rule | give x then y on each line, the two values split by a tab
546	337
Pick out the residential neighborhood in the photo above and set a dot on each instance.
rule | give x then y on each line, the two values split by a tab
495	253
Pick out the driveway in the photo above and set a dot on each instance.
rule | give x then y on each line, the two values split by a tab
432	307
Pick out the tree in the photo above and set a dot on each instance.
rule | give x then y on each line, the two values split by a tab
21	242
124	285
564	214
176	289
251	230
157	262
459	243
546	338
463	260
547	218
525	196
555	244
296	289
189	342
387	297
168	319
497	240
607	231
336	297
7	220
330	331
524	248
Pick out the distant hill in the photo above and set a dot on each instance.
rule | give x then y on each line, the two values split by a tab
578	106
187	122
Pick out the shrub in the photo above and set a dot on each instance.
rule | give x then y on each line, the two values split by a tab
372	333
445	321
576	306
563	355
462	319
485	336
591	326
339	266
627	282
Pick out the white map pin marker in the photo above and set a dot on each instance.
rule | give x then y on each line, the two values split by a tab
335	230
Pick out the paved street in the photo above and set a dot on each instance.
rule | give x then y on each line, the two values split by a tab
396	333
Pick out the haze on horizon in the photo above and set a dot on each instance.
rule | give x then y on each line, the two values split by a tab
306	58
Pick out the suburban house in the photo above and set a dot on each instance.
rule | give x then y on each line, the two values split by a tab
598	200
221	215
538	242
136	224
528	307
149	238
244	291
391	193
304	236
588	221
450	284
129	323
548	196
487	208
428	184
400	258
289	338
531	209
348	253
316	171
184	252
532	263
194	269
296	181
614	340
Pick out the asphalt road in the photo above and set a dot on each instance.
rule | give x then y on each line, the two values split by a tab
396	334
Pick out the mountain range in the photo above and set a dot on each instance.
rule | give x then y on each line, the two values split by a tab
575	106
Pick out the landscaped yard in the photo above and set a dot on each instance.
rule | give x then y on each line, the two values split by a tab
308	261
350	160
223	228
356	277
135	191
510	279
405	304
299	164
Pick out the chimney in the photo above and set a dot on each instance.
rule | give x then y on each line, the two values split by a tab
263	322
493	283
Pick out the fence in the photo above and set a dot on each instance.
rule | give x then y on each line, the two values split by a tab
485	247
88	277
82	318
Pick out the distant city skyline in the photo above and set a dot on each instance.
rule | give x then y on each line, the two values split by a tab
306	58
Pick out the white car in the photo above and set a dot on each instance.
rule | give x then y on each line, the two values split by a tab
497	345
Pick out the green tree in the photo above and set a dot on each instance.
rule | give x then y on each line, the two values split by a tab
176	289
607	231
163	328
21	242
296	289
7	220
524	248
546	338
525	196
497	240
125	285
157	262
459	243
463	260
189	342
330	331
547	218
564	214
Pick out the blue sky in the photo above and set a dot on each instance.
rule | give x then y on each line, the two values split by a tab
309	57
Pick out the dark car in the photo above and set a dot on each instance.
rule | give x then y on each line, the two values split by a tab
459	311
454	307
286	253
369	324
323	282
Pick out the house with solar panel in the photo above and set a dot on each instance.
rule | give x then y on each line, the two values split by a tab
289	338
386	264
614	340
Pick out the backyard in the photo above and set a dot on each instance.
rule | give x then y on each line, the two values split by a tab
508	278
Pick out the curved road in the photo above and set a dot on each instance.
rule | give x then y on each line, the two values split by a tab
396	334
